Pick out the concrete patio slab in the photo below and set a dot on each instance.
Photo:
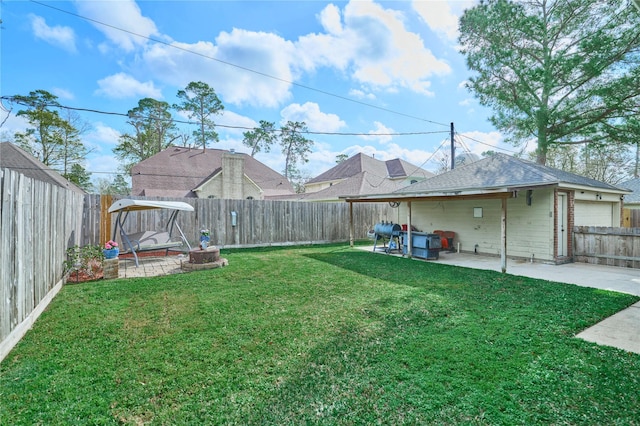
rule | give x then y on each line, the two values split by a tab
621	330
623	280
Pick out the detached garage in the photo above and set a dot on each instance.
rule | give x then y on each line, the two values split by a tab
503	205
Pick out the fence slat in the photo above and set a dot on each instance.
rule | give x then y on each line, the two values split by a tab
39	221
607	246
260	222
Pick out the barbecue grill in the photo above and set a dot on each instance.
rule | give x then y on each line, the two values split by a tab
387	232
423	245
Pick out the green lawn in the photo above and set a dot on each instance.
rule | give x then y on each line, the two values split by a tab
321	335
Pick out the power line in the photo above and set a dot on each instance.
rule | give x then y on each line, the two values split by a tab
457	134
263	74
416	167
226	126
487	144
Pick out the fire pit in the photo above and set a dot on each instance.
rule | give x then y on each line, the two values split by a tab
207	258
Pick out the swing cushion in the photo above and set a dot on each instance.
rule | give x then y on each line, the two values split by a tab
151	240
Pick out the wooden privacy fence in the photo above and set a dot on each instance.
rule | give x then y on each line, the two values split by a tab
631	218
248	223
607	246
38	222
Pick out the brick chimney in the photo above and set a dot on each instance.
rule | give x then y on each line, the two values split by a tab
232	175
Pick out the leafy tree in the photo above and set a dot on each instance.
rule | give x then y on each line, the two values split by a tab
607	163
560	71
631	131
74	152
52	139
200	102
295	146
80	176
341	157
443	163
261	138
154	130
184	139
298	180
117	186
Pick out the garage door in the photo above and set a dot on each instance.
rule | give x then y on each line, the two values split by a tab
593	214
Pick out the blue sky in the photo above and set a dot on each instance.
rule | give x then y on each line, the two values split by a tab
366	68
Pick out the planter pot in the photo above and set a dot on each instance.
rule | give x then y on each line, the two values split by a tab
111	253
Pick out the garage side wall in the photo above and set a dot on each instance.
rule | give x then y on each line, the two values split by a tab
529	227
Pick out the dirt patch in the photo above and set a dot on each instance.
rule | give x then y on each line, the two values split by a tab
93	272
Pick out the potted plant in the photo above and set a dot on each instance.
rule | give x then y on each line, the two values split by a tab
204	239
111	250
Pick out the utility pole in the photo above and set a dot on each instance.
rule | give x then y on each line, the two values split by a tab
453	150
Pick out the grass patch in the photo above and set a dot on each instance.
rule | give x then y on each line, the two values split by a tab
321	335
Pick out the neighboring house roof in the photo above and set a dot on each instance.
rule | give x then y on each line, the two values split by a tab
15	158
499	173
359	163
363	183
177	171
632	185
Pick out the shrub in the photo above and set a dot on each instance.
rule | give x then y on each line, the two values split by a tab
86	260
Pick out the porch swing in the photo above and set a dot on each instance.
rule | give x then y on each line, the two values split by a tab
151	240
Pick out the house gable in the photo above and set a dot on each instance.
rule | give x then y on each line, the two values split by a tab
213	187
186	171
401	172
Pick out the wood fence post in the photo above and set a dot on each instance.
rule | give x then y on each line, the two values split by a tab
105	218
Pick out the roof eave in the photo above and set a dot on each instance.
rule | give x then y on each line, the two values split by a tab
434	195
621	191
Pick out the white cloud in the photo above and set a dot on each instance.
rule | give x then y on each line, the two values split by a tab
438	16
330	19
101	140
264	53
366	42
418	157
478	142
127	28
104	166
62	93
379	134
63	37
12	123
121	86
101	134
356	93
316	120
230	118
374	43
